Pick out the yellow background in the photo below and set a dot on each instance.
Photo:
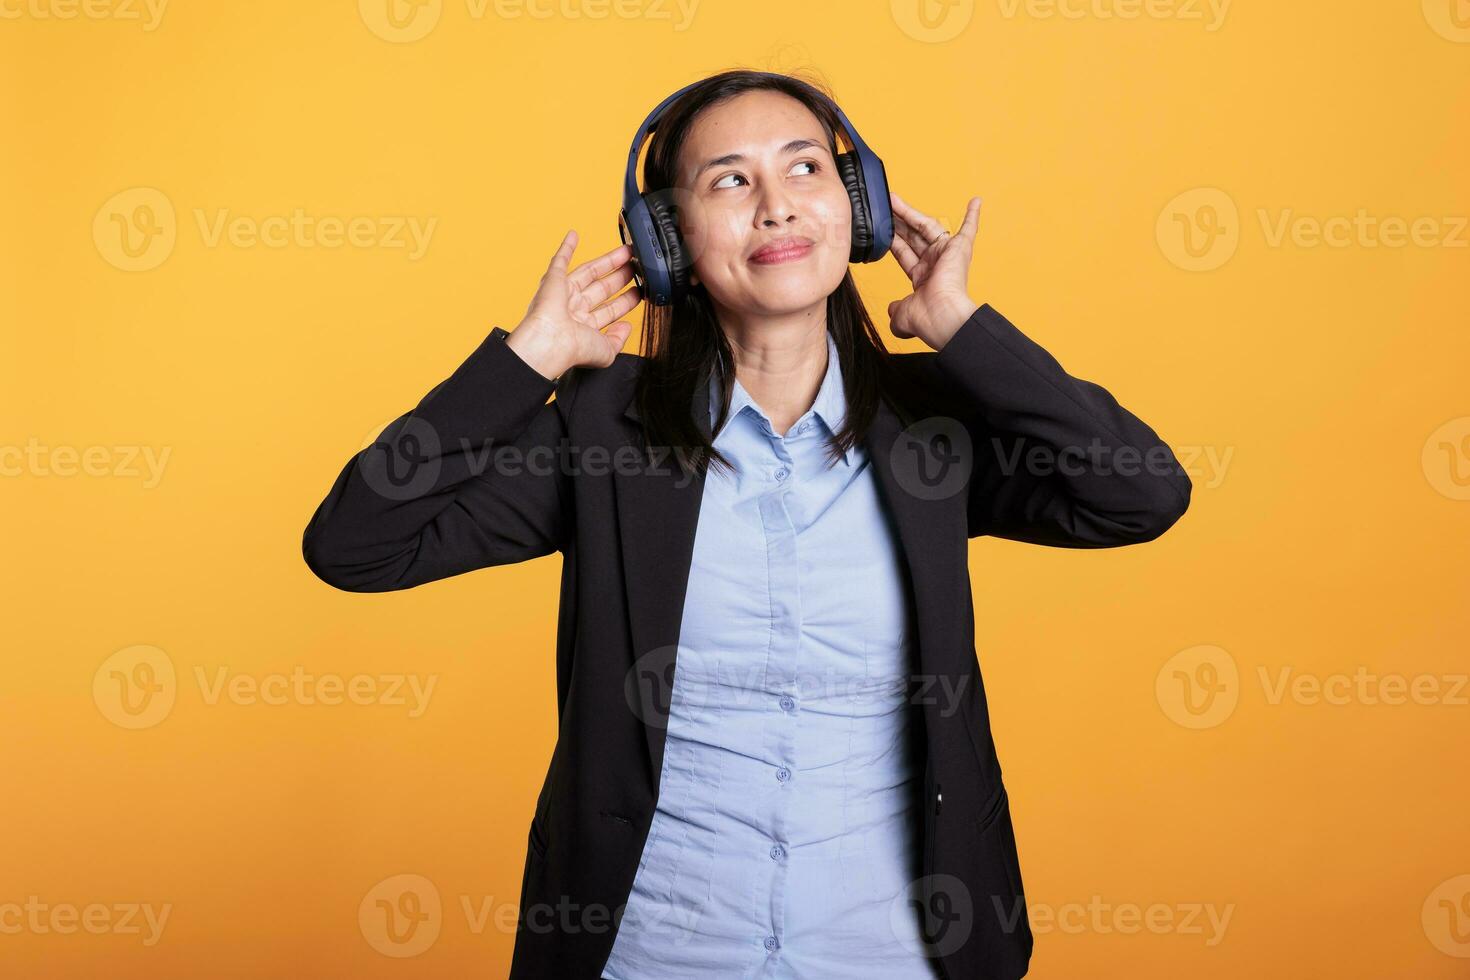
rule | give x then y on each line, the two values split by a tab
1327	536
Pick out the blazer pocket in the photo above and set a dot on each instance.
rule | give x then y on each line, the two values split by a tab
538	838
991	810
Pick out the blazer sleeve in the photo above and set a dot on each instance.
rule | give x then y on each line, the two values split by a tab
474	476
1057	460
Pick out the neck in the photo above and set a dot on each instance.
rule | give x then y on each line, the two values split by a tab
780	359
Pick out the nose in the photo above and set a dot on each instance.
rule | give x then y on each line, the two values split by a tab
775	206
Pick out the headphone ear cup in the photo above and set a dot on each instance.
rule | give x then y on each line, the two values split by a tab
666	223
851	172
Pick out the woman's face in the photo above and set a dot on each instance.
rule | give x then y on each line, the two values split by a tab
754	172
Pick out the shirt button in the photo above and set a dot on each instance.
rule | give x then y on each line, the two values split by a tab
781	473
788	702
783	774
777	853
803	427
772	943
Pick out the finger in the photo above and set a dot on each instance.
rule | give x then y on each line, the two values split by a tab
599	290
896	319
912	237
902	227
563	255
921	246
617	335
596	268
616	307
903	253
928	227
972	220
919	249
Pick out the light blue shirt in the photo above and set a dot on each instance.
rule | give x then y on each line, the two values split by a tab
786	834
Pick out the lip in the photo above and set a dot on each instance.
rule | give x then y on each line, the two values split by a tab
779	250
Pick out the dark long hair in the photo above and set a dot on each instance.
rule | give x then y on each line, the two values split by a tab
683	342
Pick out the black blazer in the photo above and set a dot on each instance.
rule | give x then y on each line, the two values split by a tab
427	501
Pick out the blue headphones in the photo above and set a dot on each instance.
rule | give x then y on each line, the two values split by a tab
649	222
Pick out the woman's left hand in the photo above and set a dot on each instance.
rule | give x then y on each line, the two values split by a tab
938	264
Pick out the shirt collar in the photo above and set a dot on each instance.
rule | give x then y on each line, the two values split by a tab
830	404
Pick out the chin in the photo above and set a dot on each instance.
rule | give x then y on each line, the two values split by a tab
795	290
789	297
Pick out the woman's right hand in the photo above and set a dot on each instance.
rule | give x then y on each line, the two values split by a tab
564	326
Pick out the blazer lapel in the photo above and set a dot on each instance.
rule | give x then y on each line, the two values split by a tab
658	514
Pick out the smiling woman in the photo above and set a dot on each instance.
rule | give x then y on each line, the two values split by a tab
753	776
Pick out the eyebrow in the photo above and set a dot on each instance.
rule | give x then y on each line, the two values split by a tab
792	147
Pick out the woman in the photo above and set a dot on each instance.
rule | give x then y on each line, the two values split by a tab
773	502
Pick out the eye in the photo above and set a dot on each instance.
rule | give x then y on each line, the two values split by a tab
721	181
809	163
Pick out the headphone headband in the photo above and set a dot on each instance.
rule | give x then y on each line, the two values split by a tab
651	228
650	123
